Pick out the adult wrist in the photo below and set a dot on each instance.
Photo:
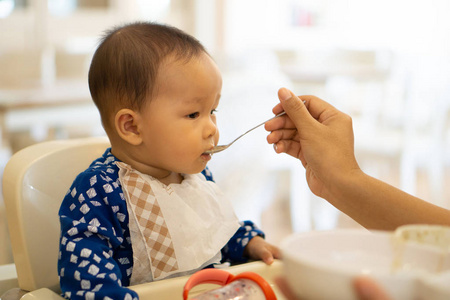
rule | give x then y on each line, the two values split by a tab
342	185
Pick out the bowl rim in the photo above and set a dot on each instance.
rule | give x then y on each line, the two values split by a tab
287	252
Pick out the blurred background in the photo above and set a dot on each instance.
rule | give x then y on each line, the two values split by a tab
385	62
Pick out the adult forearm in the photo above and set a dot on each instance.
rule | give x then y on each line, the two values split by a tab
378	205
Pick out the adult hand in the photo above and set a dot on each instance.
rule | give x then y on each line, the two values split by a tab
316	133
322	138
365	288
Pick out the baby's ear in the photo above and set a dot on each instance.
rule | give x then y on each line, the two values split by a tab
126	122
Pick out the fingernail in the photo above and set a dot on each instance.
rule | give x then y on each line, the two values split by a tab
275	147
284	94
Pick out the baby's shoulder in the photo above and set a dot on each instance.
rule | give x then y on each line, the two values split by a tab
99	181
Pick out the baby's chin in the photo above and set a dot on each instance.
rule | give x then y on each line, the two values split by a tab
193	171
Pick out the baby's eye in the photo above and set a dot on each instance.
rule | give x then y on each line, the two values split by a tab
213	111
193	115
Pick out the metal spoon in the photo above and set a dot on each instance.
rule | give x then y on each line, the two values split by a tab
220	148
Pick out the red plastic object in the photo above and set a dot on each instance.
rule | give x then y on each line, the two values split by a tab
222	277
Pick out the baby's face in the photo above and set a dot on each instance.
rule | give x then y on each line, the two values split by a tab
180	122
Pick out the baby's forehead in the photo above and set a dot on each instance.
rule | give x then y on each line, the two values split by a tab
182	60
193	81
186	68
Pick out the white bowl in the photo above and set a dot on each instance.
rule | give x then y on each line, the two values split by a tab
323	264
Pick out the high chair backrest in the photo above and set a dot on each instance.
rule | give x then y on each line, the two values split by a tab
35	181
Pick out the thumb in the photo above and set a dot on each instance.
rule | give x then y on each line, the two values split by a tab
294	107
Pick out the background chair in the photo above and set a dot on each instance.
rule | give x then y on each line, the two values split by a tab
35	181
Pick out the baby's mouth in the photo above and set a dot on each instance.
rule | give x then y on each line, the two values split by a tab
209	151
206	156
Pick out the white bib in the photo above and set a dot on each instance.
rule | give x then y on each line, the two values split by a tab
176	229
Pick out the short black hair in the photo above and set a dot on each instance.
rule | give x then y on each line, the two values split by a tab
125	66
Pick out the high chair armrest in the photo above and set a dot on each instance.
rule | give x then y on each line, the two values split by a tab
8	278
173	288
13	294
41	294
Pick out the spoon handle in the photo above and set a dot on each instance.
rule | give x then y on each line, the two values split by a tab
279	115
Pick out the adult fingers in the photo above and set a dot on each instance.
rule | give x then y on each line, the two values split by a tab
316	106
282	134
367	289
285	289
295	109
289	147
277	109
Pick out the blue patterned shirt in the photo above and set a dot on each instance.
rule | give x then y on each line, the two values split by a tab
96	257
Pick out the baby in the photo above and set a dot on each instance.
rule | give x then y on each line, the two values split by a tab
148	209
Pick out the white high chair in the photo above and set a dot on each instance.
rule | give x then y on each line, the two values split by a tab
35	181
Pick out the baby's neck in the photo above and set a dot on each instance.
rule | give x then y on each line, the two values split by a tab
172	178
164	176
